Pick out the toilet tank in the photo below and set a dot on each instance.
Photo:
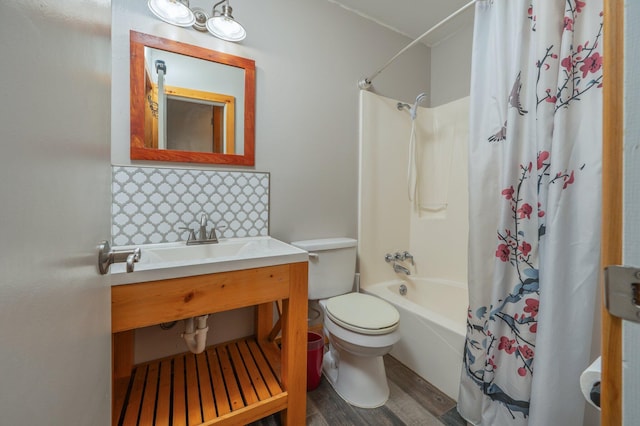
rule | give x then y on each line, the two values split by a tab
332	265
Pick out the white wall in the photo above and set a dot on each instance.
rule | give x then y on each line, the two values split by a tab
451	67
55	332
309	57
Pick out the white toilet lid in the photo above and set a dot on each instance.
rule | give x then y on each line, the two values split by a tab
363	313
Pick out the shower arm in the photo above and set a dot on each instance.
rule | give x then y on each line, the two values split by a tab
365	83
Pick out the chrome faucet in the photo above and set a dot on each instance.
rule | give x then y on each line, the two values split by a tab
399	256
202	237
404	255
400	268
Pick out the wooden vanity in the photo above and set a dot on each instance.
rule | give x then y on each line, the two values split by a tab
233	383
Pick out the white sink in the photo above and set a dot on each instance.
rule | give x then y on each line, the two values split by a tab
174	260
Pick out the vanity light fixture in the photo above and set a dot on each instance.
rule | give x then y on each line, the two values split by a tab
220	24
175	12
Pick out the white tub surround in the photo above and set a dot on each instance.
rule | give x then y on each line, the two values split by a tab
433	313
388	222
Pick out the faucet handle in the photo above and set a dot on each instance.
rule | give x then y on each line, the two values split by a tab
407	255
192	233
213	235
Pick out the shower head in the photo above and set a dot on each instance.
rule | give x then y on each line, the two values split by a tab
421	98
414	109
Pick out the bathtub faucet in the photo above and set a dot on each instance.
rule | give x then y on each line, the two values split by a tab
400	268
399	256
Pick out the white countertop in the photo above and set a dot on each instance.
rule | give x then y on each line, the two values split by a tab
175	260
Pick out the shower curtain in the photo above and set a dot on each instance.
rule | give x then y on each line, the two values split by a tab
534	184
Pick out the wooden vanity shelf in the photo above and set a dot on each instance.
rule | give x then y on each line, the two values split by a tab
231	383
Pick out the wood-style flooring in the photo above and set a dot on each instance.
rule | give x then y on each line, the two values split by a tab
413	401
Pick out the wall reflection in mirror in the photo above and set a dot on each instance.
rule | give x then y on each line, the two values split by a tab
187	109
190	104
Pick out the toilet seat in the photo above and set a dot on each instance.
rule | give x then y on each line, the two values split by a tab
363	313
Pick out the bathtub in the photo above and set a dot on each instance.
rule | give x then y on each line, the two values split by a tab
432	326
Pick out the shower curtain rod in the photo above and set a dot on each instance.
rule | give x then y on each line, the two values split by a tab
365	83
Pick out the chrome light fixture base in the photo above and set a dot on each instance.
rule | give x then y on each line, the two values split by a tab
201	19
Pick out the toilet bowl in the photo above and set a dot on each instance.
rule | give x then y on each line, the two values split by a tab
353	364
361	328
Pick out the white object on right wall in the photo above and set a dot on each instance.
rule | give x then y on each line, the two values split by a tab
589	379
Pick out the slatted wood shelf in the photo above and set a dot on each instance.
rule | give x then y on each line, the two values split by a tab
232	383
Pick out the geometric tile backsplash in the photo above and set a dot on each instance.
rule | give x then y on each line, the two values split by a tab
150	204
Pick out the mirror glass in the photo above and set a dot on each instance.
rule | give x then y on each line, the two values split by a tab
190	104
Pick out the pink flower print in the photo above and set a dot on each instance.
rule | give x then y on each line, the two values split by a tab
524	248
522	371
526	351
591	64
525	211
568	181
567	63
551	99
508	193
492	364
579	6
534	328
503	252
543	156
532	306
540	211
507	345
568	23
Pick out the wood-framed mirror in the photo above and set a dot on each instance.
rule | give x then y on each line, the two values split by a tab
190	104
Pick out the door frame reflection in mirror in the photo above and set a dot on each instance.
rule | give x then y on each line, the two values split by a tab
220	120
139	102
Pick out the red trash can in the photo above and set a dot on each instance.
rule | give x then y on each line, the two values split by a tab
315	351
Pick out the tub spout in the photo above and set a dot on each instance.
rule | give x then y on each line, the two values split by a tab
400	268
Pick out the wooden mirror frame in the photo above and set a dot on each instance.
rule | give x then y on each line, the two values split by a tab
138	41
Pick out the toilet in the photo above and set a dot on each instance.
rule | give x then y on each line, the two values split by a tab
361	328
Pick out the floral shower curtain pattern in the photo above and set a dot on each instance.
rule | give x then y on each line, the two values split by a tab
534	184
